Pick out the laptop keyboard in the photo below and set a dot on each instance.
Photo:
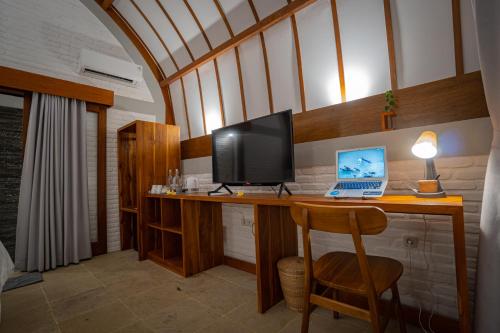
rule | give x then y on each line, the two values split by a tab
374	185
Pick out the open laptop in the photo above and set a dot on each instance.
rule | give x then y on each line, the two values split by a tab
361	173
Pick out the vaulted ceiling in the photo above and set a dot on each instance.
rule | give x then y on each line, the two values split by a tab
220	62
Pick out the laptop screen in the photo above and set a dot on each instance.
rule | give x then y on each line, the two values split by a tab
361	163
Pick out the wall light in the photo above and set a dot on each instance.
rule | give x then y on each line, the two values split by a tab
426	148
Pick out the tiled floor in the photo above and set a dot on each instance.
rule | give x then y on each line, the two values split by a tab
117	293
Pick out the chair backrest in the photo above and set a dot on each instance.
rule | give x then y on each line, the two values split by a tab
354	220
371	220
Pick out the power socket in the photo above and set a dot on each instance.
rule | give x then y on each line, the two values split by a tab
410	241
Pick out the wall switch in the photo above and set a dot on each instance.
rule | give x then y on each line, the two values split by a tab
410	241
246	222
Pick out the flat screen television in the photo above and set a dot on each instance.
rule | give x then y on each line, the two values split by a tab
255	152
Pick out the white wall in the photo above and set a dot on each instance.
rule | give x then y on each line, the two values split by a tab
46	37
463	154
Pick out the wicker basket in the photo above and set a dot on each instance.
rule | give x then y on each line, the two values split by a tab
291	271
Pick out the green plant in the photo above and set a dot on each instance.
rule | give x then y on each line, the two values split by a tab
390	101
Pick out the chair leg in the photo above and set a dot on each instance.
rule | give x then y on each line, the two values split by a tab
398	309
335	295
306	312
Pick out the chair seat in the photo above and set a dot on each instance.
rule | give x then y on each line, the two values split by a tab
340	270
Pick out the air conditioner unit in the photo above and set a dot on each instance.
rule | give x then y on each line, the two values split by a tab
102	66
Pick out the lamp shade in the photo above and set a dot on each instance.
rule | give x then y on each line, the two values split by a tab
426	145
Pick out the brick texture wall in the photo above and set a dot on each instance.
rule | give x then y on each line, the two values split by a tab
115	120
430	279
11	164
46	37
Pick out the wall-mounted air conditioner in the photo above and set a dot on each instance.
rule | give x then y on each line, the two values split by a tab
108	68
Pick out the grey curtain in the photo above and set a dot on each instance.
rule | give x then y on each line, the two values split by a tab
487	319
53	216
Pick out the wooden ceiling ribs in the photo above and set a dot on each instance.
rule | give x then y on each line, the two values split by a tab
457	38
236	40
237	54
390	45
264	54
338	47
298	57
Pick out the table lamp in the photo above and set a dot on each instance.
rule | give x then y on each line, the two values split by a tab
426	147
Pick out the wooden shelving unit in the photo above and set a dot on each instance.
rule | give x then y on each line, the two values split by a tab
146	151
183	236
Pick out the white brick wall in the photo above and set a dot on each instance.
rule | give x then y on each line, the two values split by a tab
115	120
46	37
433	283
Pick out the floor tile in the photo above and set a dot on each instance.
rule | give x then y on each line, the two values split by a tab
275	319
320	324
137	327
104	319
37	320
224	325
242	279
22	299
185	316
63	285
83	302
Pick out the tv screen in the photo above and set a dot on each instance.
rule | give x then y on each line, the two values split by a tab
255	152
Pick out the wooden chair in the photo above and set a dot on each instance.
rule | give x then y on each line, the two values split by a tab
350	273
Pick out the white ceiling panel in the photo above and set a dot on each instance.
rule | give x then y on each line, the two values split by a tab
469	39
147	35
228	71
238	13
423	38
283	67
267	7
210	92
364	47
319	56
166	31
254	78
211	21
194	104
179	110
187	26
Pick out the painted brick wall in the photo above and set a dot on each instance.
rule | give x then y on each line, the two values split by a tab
115	120
46	37
431	281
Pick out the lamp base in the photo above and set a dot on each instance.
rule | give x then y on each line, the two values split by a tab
441	194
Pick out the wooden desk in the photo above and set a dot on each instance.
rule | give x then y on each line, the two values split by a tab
198	219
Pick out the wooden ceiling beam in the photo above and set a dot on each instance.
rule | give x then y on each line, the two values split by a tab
269	21
390	45
106	4
338	46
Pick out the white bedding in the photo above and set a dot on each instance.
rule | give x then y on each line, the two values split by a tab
6	267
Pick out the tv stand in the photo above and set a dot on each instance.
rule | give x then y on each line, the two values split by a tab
283	187
217	190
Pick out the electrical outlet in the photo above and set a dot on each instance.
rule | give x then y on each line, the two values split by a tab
246	222
410	241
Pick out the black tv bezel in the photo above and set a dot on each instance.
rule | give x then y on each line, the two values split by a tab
274	183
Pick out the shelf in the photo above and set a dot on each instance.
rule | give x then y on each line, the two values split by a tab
174	228
173	263
129	210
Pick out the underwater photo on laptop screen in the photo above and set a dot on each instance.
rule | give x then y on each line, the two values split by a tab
362	163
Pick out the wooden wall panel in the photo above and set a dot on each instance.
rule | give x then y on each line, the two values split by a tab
427	104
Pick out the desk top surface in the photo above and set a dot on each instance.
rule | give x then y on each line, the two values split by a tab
393	203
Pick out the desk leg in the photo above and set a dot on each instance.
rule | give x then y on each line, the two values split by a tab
275	238
461	271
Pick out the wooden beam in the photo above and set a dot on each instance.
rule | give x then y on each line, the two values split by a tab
264	54
455	98
390	44
169	18
26	81
169	108
242	89
185	107
162	42
202	104
224	17
138	43
198	23
269	21
457	38
338	46
219	90
106	4
299	63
